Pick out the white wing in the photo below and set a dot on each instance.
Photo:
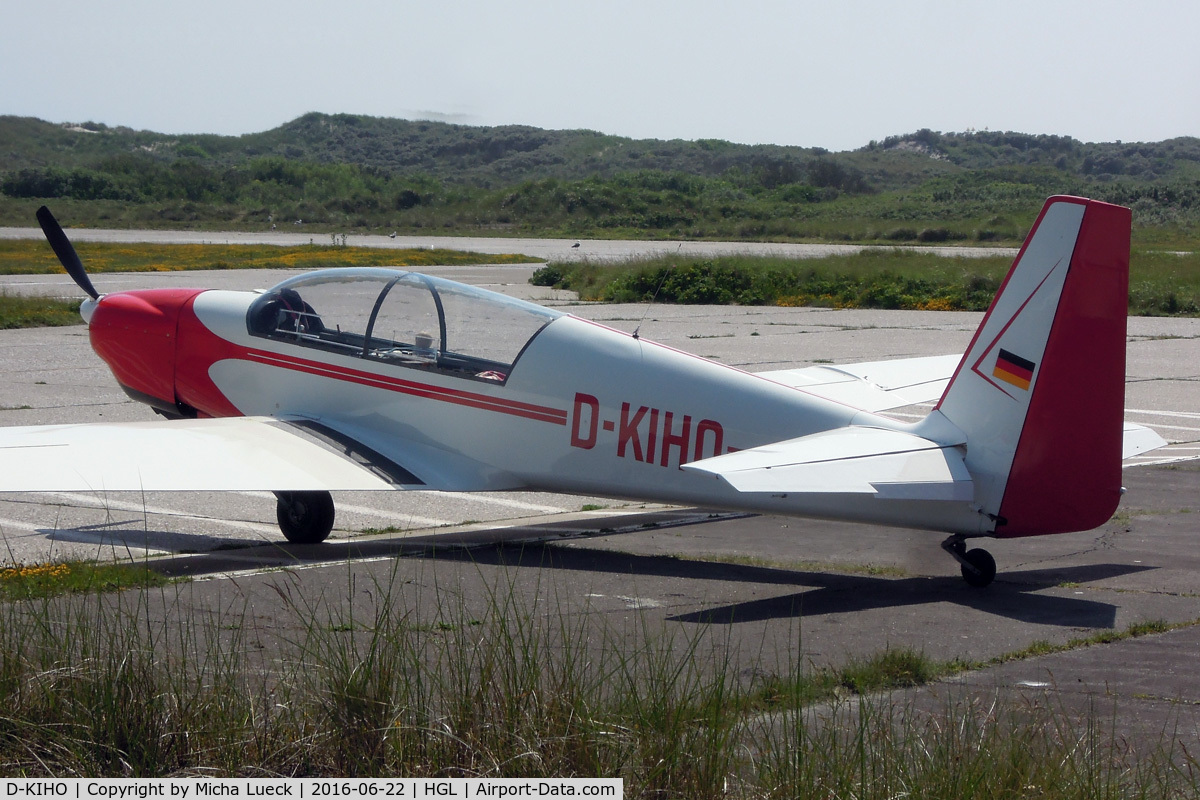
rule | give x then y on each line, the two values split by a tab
231	454
874	385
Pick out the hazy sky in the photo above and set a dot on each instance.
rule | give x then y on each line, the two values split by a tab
826	73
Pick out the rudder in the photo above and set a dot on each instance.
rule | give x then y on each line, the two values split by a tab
1040	393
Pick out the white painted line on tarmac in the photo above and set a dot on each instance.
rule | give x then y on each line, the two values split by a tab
367	511
477	498
1171	427
20	525
396	516
1156	462
141	508
1184	414
284	567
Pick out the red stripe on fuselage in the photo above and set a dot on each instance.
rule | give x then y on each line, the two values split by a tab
200	348
427	390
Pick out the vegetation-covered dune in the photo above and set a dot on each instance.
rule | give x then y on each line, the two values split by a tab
345	172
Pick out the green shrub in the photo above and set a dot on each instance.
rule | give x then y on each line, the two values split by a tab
549	275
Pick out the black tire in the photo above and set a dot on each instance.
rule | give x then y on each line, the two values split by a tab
304	517
982	561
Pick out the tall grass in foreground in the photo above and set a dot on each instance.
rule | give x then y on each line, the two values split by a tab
146	683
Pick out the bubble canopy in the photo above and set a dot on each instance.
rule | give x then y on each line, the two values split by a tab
401	318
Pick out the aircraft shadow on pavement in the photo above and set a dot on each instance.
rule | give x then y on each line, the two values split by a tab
114	535
1013	595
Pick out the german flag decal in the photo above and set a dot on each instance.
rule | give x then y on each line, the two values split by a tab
1013	369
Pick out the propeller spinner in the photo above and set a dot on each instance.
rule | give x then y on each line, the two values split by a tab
65	252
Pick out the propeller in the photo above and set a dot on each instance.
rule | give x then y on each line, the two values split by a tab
65	252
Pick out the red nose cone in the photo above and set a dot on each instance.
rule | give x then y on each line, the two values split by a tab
135	334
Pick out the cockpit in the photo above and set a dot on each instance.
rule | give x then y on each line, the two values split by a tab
401	318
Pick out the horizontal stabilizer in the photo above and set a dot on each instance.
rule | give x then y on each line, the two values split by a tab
873	385
855	460
1138	439
230	454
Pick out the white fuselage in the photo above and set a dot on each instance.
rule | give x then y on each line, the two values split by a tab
585	409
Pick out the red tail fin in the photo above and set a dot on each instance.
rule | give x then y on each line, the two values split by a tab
1040	393
1066	474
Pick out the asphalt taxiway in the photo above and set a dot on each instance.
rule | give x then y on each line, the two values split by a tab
293	235
768	589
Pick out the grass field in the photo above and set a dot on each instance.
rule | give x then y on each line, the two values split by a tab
37	581
22	311
31	257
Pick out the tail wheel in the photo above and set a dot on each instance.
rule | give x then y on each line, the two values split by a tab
304	517
984	567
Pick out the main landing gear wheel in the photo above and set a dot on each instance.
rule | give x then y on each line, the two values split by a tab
978	566
304	517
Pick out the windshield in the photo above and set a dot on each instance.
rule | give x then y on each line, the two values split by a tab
401	318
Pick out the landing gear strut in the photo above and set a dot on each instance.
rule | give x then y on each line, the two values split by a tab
304	517
978	566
